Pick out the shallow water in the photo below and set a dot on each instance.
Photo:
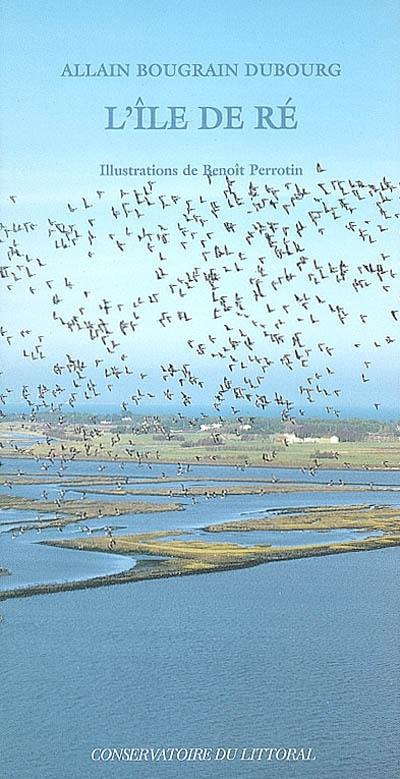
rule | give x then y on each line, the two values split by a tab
150	471
297	653
29	562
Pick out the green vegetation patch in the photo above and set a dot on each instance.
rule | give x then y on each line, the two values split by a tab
363	517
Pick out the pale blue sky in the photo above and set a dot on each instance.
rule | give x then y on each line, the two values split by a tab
54	127
53	136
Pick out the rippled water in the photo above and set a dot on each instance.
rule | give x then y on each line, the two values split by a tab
30	562
149	471
297	653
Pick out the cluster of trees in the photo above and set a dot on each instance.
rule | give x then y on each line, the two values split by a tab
248	427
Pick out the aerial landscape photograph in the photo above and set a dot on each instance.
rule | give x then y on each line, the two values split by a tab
199	392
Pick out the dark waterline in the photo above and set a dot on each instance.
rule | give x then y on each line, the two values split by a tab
300	653
150	471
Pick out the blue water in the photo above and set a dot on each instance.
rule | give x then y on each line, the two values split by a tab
301	653
149	471
291	654
29	563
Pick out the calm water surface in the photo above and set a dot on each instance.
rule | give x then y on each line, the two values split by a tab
298	653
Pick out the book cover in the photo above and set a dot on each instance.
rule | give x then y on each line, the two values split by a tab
199	422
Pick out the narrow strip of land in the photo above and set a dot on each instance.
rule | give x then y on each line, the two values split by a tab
170	556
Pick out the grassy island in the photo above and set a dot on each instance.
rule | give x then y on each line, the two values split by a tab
70	511
167	555
253	488
319	518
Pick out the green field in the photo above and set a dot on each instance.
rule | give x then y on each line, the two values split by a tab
191	446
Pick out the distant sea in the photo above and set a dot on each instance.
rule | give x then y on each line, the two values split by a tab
385	413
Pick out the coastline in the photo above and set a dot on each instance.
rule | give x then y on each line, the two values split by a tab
185	564
329	465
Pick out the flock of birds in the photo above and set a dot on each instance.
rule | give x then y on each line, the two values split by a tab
241	296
